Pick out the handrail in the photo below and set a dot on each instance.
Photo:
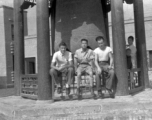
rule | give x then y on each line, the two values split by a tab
29	83
29	86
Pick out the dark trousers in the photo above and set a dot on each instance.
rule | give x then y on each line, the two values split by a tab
57	75
109	77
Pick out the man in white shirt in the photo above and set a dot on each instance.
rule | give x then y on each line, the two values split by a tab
133	51
102	55
62	64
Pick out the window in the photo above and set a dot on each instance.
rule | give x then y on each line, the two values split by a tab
30	65
150	58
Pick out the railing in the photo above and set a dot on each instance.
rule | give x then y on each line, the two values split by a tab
135	83
84	86
29	85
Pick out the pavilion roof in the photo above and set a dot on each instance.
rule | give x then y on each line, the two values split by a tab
106	4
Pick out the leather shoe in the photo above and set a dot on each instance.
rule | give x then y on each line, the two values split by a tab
111	93
100	95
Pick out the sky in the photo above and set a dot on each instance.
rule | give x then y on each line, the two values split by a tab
7	2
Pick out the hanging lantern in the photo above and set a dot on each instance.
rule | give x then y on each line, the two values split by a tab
28	3
129	1
108	5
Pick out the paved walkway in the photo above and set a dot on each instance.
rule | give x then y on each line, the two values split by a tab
137	107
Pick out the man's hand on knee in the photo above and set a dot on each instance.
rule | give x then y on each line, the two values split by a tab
110	67
90	73
78	74
99	70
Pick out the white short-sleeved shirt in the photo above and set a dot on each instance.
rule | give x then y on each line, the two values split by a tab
103	55
133	50
62	59
133	55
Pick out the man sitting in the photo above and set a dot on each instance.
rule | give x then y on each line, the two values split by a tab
102	55
83	64
62	64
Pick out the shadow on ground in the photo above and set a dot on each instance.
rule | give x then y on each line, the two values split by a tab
7	92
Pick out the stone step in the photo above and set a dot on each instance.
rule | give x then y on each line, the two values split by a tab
117	111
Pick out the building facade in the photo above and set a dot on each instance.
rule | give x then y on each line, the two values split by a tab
130	28
6	46
88	30
84	23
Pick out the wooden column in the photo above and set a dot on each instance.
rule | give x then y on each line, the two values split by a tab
141	41
118	34
105	13
107	28
18	44
53	11
43	51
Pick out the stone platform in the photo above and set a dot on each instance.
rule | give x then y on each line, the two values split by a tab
136	107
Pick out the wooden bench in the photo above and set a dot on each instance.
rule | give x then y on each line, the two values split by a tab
84	83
